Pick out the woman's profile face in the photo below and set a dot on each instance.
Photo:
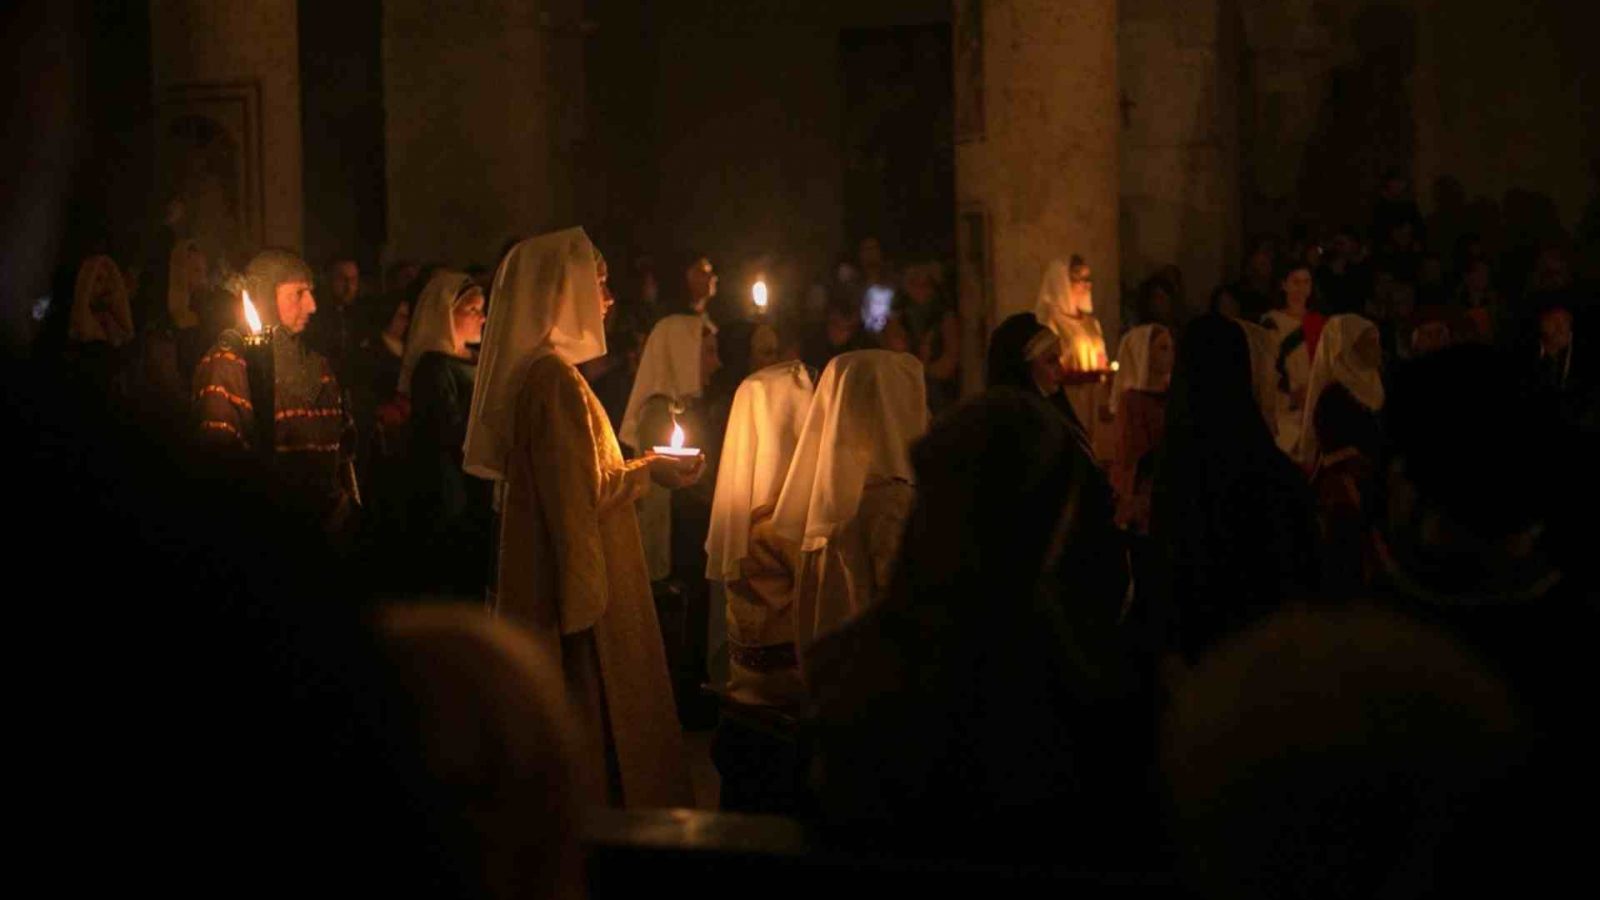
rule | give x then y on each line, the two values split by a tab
468	318
1297	287
1047	372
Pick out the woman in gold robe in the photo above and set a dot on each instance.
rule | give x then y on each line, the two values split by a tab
572	569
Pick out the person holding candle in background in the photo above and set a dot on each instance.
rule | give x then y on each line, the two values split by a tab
572	569
1066	306
679	359
310	430
850	487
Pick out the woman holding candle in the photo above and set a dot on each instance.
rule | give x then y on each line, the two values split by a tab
849	488
571	568
1066	306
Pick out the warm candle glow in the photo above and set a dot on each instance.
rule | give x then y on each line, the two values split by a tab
675	446
1115	365
759	294
251	317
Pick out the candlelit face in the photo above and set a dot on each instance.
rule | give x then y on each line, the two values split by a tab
702	280
763	347
1080	289
468	318
607	299
295	305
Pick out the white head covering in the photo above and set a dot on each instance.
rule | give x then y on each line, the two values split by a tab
433	322
546	301
1055	293
1335	361
1083	345
669	366
769	410
1263	370
1133	363
869	406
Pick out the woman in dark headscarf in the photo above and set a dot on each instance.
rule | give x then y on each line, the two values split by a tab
1026	355
980	710
1231	514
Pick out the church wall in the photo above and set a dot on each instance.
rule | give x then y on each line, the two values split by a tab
205	58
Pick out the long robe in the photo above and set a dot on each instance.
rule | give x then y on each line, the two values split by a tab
572	571
841	580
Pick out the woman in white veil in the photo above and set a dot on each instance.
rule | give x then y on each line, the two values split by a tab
572	572
850	486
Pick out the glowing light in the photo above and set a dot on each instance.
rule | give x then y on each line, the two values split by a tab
1115	365
675	447
251	317
758	293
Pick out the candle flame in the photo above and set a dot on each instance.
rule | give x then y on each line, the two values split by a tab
759	293
1115	365
251	317
677	437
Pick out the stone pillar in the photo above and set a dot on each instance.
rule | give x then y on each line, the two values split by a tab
1036	163
231	71
483	109
1180	123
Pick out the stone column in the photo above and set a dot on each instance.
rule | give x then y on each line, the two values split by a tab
235	69
1037	171
483	107
1180	124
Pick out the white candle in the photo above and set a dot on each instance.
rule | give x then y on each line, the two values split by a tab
676	448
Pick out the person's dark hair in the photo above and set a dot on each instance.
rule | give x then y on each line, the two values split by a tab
1149	289
733	348
1214	302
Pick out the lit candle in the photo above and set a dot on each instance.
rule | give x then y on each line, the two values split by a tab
1115	365
758	294
676	448
259	369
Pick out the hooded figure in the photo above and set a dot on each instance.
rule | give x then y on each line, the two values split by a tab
671	374
769	412
571	569
849	488
1348	353
1026	355
311	432
450	513
1066	306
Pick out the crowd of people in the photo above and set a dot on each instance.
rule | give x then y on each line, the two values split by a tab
1287	594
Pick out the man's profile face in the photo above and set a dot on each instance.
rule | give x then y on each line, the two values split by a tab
295	305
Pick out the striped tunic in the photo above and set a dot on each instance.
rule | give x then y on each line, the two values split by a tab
312	429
